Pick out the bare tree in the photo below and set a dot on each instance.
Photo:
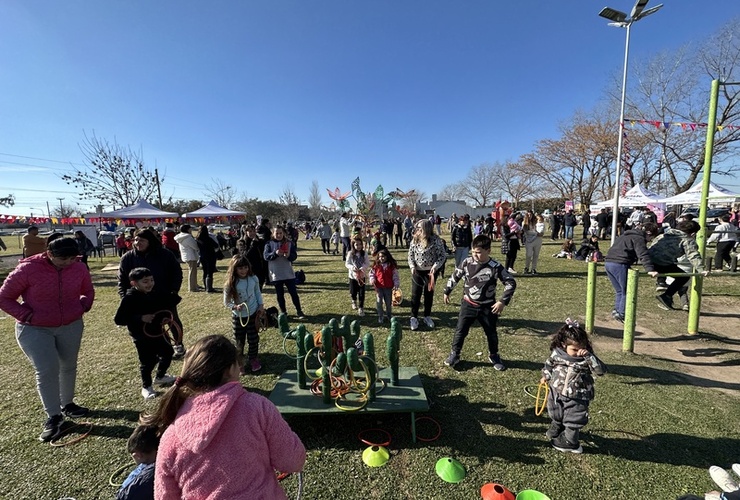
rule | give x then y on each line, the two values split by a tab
220	192
577	165
65	211
481	185
314	200
516	183
451	192
7	201
670	106
290	202
112	173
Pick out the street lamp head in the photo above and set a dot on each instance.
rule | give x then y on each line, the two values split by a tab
639	6
646	13
613	15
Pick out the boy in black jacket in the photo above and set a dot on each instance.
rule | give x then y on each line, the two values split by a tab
143	311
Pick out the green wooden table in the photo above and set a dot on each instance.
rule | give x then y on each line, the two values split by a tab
406	397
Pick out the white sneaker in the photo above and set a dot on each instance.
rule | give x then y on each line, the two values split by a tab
148	393
179	351
428	321
414	324
736	469
361	312
511	271
165	379
354	305
723	479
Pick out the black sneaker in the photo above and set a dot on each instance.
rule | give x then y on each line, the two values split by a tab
616	315
73	410
51	428
495	360
562	444
664	302
452	359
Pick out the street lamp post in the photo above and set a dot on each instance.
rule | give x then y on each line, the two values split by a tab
620	20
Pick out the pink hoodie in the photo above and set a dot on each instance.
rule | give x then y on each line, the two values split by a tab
50	297
226	444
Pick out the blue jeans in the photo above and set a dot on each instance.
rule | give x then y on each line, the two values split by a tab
461	253
617	274
568	232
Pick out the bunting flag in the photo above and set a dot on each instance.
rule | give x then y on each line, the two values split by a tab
684	125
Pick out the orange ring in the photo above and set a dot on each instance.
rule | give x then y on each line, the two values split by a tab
385	444
55	442
439	429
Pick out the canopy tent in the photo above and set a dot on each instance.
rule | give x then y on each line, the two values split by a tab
213	209
637	196
692	196
140	210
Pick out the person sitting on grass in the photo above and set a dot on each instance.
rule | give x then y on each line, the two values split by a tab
142	311
588	246
727	483
481	274
569	373
139	485
567	250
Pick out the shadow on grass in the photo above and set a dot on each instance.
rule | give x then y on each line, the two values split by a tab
649	375
694	451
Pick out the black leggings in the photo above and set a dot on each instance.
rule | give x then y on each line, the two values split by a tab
419	282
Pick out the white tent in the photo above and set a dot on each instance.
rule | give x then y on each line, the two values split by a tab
637	196
213	209
692	196
140	210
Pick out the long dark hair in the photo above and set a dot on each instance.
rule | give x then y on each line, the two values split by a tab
203	369
239	260
389	258
571	333
155	244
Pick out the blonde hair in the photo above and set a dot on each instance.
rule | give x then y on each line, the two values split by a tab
423	237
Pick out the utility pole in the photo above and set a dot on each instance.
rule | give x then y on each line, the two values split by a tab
159	188
61	209
48	211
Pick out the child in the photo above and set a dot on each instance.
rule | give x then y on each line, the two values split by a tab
137	312
569	372
335	241
242	295
357	264
280	252
479	302
139	485
566	251
219	440
384	277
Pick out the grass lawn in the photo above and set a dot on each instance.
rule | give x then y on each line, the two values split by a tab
652	434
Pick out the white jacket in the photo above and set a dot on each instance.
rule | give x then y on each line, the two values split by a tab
188	247
724	232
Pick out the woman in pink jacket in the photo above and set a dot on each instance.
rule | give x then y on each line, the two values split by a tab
56	290
220	441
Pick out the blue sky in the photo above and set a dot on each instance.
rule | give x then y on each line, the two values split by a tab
270	94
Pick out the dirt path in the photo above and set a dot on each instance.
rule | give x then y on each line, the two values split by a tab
706	359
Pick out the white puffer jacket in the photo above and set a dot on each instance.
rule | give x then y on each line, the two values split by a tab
188	247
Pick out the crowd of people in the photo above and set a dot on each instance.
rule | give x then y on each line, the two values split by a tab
184	444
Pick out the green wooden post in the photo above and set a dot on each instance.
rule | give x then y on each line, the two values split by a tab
701	237
301	345
392	347
630	306
369	346
591	297
326	336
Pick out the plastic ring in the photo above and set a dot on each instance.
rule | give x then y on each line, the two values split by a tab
369	443
439	429
55	442
117	472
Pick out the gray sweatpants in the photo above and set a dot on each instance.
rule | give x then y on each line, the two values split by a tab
53	353
569	414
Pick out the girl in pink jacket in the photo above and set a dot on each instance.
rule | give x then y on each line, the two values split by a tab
220	441
55	291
